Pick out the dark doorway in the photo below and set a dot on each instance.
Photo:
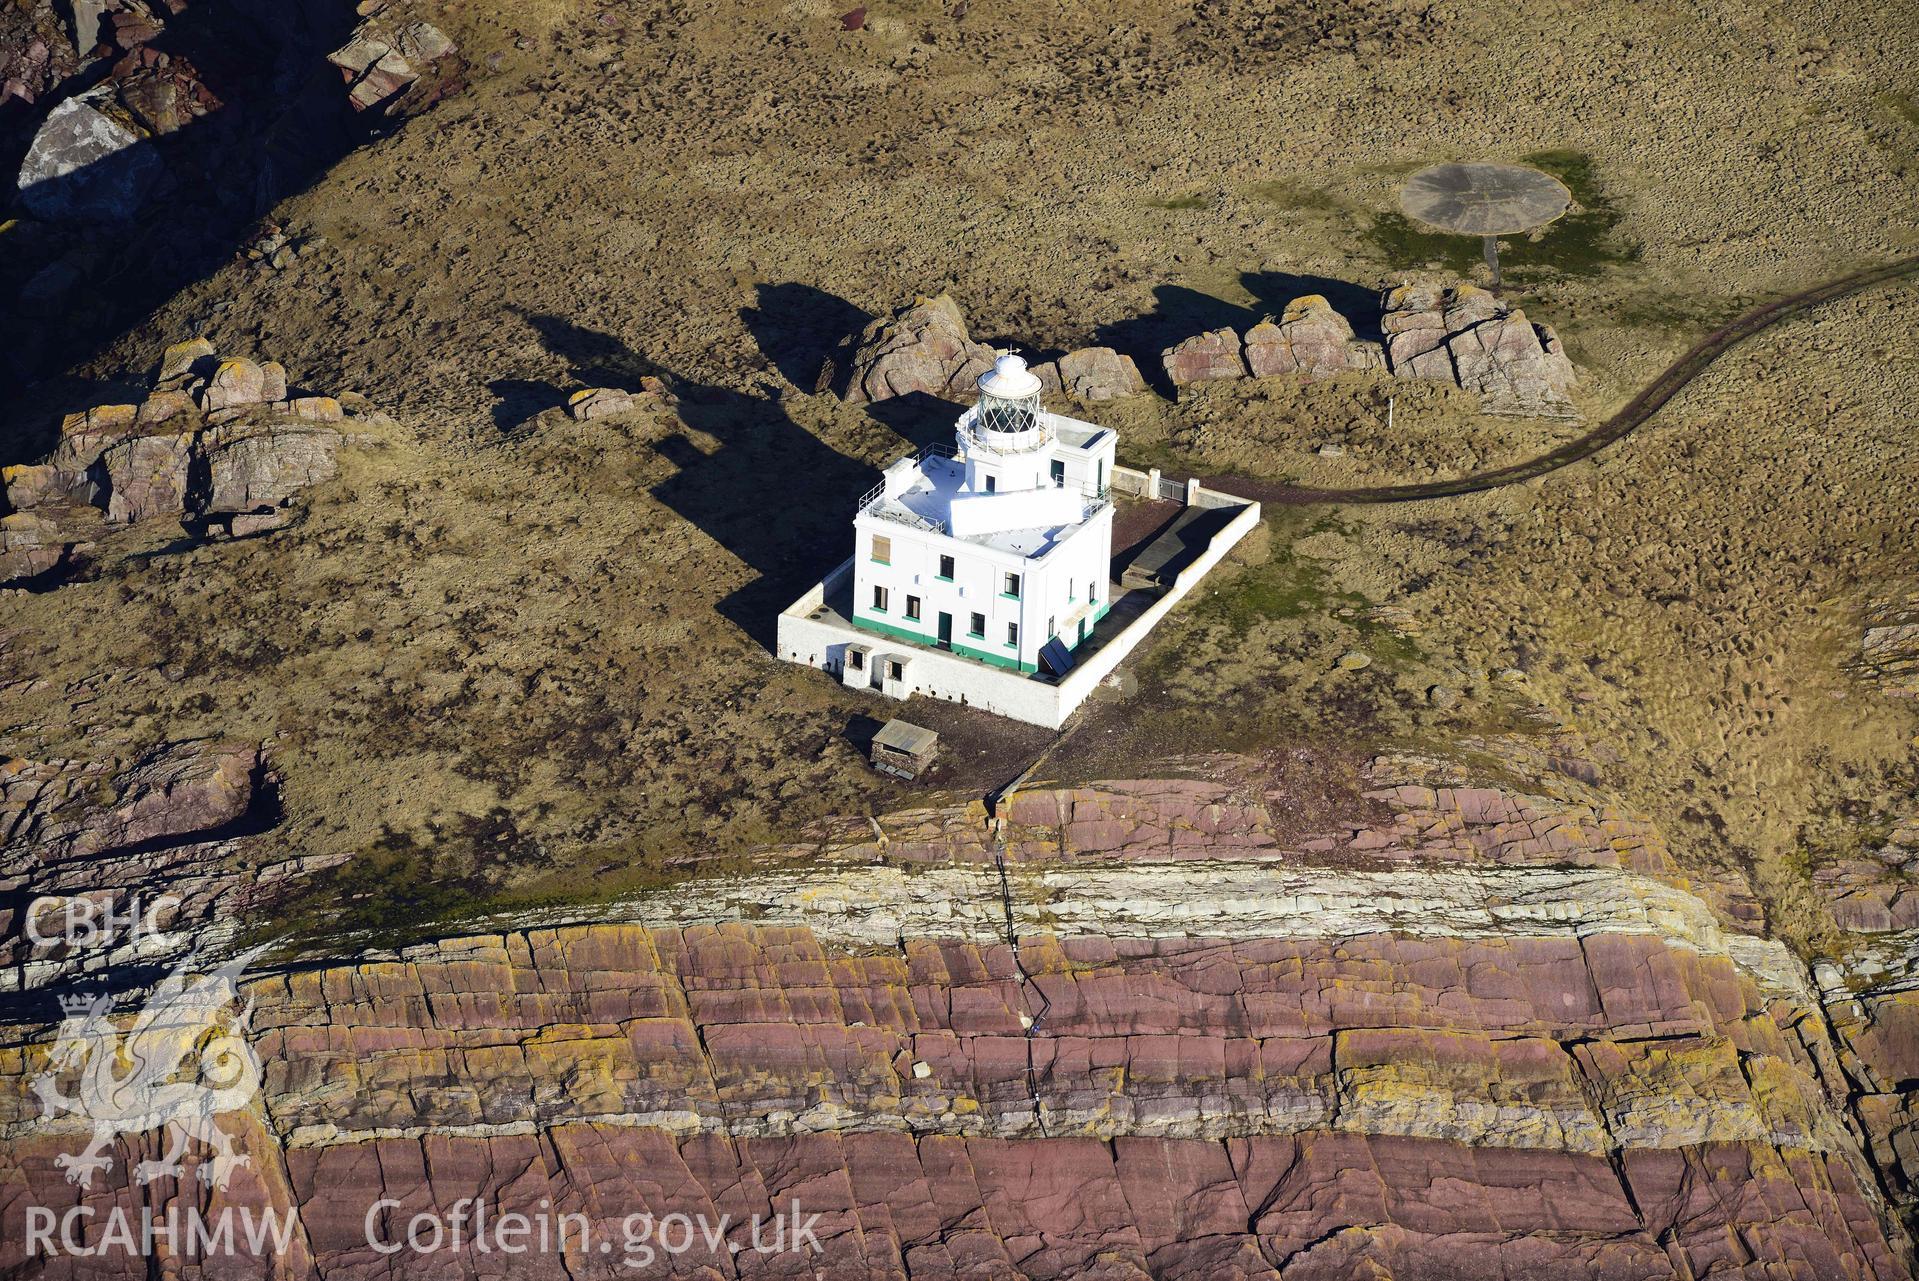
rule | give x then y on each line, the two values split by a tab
946	630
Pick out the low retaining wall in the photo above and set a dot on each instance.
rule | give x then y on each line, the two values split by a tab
822	642
1085	676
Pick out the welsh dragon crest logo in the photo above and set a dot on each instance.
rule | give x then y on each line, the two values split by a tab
183	1061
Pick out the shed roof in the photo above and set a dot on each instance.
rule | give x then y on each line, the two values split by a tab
903	736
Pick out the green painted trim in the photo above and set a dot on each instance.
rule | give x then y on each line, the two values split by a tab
996	660
884	628
1009	596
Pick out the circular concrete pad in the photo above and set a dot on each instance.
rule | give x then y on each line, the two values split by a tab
1484	200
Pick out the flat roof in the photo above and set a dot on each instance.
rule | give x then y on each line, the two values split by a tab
939	481
904	736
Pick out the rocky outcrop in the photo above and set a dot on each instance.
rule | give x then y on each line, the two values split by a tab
395	68
1889	648
921	348
46	542
1876	891
1461	335
35	55
1311	339
1468	336
93	158
1891	654
1092	374
1871	996
926	348
1207	357
218	444
153	852
54	812
86	166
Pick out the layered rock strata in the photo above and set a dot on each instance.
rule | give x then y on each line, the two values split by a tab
1469	1031
1494	1079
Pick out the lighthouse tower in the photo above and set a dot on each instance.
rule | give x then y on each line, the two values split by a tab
1006	440
990	551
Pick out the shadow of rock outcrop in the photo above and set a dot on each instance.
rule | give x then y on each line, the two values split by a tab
597	358
799	328
746	473
1178	313
766	489
1358	303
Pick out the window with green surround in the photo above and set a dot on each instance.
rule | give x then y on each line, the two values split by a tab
977	627
1012	635
879	599
1010	587
882	549
913	609
946	568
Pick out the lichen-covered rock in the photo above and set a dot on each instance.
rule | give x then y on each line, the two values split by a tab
1099	373
316	409
1311	340
184	360
85	436
597	402
1205	357
921	348
1467	336
273	382
163	407
147	477
85	166
30	485
44	540
264	469
236	383
393	70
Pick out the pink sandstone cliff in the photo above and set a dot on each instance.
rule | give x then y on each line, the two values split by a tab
1474	1033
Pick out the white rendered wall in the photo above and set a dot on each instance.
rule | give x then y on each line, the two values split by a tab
1088	469
1053	588
978	575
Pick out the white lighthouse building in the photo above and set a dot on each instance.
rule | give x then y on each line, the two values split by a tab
981	569
991	549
